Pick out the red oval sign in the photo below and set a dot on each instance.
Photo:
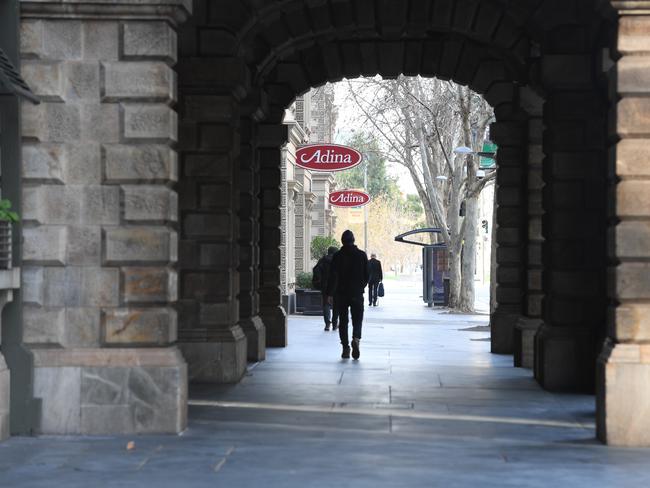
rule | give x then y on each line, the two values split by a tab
327	157
349	198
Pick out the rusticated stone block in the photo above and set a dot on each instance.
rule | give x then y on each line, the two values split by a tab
149	40
632	239
61	40
633	198
212	225
633	74
202	285
84	245
215	313
632	281
100	123
150	326
150	121
631	323
101	40
140	244
214	196
52	122
58	389
44	78
138	80
149	202
214	254
31	37
45	244
82	327
72	204
43	326
81	81
207	165
83	164
209	108
149	285
634	34
44	162
632	157
32	282
80	287
140	163
633	116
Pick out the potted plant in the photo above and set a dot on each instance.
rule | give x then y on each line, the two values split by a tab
7	218
308	300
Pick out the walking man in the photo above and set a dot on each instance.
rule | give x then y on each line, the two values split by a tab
375	276
320	277
347	280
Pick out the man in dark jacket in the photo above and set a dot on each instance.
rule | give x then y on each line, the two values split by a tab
321	274
375	276
348	278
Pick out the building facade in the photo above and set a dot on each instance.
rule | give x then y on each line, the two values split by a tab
151	181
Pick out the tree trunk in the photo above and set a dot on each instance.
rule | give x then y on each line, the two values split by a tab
468	265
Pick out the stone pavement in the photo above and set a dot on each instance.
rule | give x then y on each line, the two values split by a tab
427	405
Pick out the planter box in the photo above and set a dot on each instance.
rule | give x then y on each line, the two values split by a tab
5	244
309	302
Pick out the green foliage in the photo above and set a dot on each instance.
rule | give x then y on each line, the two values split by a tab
380	183
303	280
319	245
6	213
413	205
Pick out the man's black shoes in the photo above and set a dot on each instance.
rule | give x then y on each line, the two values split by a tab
346	352
355	349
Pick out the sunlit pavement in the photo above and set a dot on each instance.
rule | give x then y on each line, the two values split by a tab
426	405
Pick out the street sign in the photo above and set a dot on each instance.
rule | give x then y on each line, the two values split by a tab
327	157
488	162
349	198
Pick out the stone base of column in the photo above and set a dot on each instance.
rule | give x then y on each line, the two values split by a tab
565	359
524	346
255	332
502	332
275	320
623	398
111	391
289	303
222	360
4	399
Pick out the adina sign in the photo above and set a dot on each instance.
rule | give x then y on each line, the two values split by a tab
349	198
327	157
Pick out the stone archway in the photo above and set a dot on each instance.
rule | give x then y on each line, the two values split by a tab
106	137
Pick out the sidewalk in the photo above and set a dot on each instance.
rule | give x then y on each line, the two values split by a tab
427	405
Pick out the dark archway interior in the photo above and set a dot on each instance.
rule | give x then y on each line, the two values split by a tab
242	63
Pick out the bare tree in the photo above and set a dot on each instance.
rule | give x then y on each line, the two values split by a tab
419	123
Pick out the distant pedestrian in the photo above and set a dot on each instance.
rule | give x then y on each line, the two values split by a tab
320	277
348	278
375	277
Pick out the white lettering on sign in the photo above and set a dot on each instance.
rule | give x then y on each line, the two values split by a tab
348	198
325	157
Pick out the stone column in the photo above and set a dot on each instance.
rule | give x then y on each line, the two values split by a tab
623	370
249	245
574	218
100	215
271	137
528	324
510	227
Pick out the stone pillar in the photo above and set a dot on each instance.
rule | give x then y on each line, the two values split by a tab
212	85
623	370
528	324
271	137
100	213
249	245
574	218
511	137
9	281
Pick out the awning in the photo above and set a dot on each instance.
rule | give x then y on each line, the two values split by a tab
11	79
